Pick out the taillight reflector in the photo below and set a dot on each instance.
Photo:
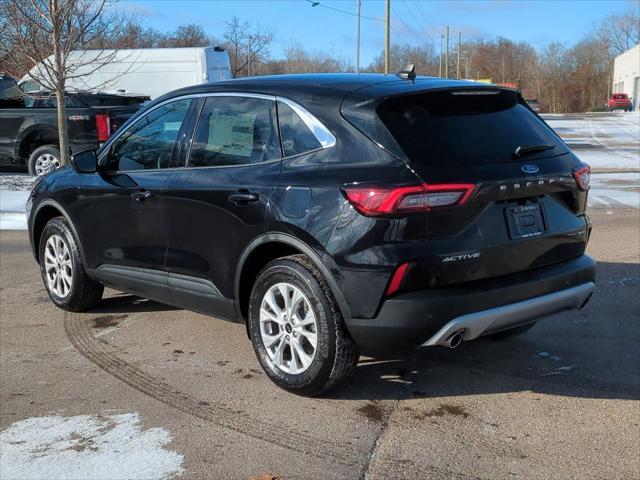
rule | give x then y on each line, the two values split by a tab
103	126
396	279
582	176
373	201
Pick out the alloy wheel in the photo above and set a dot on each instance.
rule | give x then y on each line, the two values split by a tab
58	266
288	328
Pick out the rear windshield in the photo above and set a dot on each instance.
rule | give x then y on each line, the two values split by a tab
466	127
620	96
112	100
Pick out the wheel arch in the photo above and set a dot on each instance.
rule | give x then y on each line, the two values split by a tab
34	137
266	248
45	211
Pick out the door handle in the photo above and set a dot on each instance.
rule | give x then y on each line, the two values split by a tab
142	195
243	197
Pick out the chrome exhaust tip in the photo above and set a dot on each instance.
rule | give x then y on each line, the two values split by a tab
454	339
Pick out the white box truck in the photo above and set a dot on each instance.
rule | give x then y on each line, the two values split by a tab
147	71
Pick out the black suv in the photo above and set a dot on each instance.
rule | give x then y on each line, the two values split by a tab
334	214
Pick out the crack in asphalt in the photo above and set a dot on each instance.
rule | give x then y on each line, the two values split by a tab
366	471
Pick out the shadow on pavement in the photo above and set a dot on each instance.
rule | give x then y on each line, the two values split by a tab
592	353
125	303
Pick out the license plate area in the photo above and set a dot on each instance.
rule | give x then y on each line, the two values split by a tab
525	221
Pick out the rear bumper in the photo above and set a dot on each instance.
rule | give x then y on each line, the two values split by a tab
473	325
429	317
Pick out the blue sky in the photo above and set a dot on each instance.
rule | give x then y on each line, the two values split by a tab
413	21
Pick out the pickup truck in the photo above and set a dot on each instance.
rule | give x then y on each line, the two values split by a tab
28	124
619	101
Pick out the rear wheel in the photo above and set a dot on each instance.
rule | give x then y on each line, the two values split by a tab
296	328
512	332
65	279
44	160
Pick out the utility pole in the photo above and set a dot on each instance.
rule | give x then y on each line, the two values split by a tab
386	49
440	65
446	56
458	59
466	71
249	58
358	5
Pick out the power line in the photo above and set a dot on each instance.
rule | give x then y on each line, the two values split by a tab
400	36
405	24
417	21
419	8
345	12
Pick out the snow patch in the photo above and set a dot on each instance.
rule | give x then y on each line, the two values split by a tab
16	182
13	201
615	190
12	209
607	142
86	446
13	221
610	159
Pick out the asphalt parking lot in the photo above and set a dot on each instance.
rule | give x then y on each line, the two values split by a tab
136	389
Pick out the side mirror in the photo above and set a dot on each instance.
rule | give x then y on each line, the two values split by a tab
85	162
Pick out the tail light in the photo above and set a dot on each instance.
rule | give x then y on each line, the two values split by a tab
103	125
582	176
375	201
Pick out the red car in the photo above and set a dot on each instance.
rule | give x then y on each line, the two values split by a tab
619	101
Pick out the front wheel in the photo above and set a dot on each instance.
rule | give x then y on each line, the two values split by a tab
296	329
65	279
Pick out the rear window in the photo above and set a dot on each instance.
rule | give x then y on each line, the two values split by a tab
113	101
48	100
620	96
460	127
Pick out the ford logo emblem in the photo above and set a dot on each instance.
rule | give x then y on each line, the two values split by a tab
529	169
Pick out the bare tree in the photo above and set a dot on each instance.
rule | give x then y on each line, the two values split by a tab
620	32
247	44
257	49
45	33
298	60
235	36
423	57
189	35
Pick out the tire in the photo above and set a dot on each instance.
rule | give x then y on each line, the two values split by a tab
512	332
80	292
43	160
334	355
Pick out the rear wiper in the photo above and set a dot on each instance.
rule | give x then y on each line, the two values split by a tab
523	150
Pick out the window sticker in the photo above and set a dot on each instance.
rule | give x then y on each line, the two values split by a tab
231	134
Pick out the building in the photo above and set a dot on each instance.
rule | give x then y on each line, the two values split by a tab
626	74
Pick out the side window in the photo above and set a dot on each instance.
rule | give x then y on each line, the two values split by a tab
149	142
235	131
296	136
49	101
